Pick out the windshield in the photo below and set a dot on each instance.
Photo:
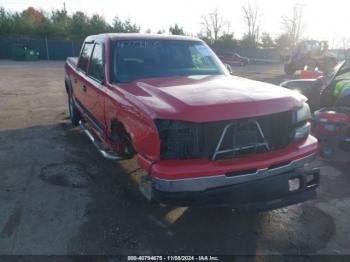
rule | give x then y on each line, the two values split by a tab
137	59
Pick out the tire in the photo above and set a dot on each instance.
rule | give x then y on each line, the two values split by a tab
73	111
289	69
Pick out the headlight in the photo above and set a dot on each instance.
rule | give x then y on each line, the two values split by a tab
179	139
302	125
303	114
302	131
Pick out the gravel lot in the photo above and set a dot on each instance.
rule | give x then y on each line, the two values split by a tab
59	196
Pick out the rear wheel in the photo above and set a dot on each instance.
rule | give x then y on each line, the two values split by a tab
73	111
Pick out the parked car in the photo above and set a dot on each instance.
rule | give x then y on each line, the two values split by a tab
332	127
203	136
321	91
234	58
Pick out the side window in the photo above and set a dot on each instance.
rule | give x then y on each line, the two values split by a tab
85	55
96	69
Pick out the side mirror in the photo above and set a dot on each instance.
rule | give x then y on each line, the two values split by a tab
229	68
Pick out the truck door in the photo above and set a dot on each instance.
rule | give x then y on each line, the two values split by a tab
94	85
78	81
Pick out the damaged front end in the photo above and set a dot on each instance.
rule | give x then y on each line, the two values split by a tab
256	162
228	139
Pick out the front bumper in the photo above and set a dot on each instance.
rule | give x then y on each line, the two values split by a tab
258	182
198	184
200	168
262	194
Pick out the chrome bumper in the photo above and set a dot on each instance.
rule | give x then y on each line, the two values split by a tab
220	180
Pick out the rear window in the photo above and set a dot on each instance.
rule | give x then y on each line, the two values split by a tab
137	59
85	55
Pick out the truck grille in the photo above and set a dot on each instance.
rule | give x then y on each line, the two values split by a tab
227	139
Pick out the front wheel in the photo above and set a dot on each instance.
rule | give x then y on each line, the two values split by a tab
73	111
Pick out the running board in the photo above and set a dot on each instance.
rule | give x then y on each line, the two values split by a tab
99	145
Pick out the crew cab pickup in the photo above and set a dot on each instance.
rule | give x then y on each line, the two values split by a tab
203	136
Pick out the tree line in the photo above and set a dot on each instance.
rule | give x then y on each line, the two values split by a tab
33	23
216	31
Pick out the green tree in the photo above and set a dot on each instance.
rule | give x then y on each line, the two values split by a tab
60	23
120	26
283	42
6	23
97	25
205	38
176	30
266	41
78	26
249	41
226	41
33	23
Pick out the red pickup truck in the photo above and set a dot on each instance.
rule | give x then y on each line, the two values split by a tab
233	58
203	136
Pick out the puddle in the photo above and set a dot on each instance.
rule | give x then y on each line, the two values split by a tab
66	174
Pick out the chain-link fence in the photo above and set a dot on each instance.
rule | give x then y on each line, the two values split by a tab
61	49
255	54
48	49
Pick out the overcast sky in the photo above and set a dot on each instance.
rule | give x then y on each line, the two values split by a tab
325	20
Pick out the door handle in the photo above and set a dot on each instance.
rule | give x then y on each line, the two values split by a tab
75	81
84	88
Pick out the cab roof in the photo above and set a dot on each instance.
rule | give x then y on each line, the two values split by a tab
138	36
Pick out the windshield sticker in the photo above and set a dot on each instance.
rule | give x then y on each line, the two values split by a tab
138	44
204	51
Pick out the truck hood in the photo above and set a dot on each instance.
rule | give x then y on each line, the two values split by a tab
211	98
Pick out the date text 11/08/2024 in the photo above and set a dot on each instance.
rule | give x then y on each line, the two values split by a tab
173	258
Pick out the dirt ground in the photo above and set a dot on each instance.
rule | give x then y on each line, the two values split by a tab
59	196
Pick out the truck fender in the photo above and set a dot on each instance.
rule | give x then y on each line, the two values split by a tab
68	84
120	133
